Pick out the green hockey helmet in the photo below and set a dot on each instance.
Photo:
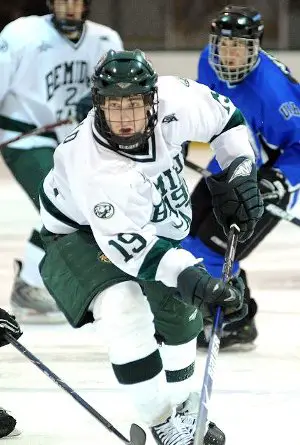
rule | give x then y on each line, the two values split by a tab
124	95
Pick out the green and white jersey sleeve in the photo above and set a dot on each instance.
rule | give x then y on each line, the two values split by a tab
205	116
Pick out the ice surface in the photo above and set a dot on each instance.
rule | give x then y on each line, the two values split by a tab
256	394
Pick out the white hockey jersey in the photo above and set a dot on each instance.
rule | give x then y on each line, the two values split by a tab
138	207
44	74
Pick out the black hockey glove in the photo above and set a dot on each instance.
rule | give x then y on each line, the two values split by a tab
236	197
273	186
198	288
9	324
83	107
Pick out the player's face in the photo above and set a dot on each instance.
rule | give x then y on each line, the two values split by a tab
126	116
233	52
69	9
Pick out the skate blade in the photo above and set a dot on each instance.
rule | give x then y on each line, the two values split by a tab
239	347
13	434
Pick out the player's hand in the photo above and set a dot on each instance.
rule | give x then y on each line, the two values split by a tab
197	287
83	106
9	324
236	197
273	186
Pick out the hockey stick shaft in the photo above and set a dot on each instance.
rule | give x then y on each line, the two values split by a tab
271	208
214	343
37	131
64	386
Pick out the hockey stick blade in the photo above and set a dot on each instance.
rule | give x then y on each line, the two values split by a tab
137	435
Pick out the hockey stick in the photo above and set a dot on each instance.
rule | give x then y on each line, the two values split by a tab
214	343
137	434
37	131
271	208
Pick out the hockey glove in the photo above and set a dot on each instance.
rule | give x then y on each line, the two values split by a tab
236	197
198	288
83	107
9	324
273	186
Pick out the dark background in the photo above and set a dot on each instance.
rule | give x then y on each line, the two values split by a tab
174	24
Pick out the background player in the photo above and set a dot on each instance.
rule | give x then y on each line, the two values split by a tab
233	64
46	64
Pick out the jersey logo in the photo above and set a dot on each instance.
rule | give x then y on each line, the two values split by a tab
123	85
169	118
184	81
44	47
289	109
104	210
244	169
103	258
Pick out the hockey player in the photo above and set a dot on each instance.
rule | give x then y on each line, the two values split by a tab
115	208
46	64
7	421
233	64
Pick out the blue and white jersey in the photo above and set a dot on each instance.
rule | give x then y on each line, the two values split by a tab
269	98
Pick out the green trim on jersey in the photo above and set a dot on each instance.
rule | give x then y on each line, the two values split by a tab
8	124
151	262
236	119
53	211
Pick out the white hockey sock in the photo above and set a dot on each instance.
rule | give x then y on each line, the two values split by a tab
125	322
32	258
151	399
179	362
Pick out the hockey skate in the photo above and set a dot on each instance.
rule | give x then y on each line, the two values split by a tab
172	432
188	412
7	425
32	304
239	337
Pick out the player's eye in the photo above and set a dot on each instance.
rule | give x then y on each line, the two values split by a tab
114	105
136	103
